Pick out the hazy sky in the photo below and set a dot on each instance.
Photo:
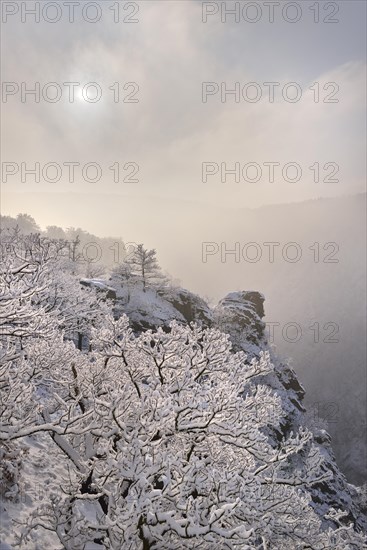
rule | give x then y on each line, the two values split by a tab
170	132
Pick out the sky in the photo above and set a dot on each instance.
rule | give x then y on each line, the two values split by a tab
167	138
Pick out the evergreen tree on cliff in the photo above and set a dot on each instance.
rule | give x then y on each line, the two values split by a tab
145	267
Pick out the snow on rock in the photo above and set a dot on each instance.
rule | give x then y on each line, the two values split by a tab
146	310
101	286
154	308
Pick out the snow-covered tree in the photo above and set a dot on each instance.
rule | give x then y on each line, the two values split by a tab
163	437
30	260
27	224
165	446
122	274
145	267
55	232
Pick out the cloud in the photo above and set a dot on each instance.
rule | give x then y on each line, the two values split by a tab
170	132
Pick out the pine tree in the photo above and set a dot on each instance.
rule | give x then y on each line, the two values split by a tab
145	267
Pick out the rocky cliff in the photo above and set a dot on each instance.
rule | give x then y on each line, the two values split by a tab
240	314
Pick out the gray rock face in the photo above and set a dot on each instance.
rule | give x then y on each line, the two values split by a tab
240	315
192	307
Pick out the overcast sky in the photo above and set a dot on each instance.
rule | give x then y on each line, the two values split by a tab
170	132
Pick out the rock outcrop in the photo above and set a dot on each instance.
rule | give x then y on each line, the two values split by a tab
193	308
240	315
101	287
